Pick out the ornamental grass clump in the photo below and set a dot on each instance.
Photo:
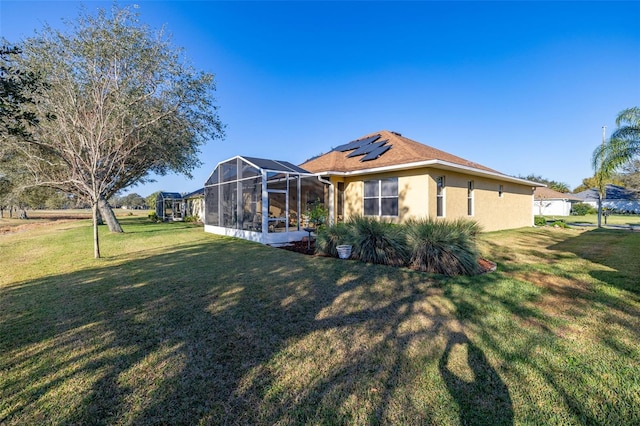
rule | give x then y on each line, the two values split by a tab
443	247
330	237
376	241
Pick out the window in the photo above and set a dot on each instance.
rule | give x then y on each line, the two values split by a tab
440	196
500	190
381	197
470	198
340	201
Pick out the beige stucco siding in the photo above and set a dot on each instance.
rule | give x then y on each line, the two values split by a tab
493	212
417	198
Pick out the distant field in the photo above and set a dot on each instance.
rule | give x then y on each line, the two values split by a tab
38	217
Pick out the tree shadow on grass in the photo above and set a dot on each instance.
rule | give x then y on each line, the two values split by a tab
481	395
615	249
218	332
231	332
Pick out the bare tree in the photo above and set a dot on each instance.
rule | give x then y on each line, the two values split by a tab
121	102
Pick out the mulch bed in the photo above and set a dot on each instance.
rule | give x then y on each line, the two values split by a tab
300	247
486	266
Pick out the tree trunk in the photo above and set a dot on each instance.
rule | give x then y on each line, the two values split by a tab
109	216
599	211
96	243
99	220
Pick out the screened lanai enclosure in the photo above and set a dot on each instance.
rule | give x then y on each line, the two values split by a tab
262	200
169	206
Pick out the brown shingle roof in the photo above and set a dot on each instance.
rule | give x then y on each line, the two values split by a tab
403	151
549	194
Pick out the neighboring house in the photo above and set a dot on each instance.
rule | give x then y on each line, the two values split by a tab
382	174
616	198
194	204
169	206
548	202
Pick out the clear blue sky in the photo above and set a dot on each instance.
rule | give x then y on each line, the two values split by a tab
521	87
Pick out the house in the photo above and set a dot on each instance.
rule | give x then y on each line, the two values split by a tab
616	198
548	202
169	206
387	175
382	174
194	204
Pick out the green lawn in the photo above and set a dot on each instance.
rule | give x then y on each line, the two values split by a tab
175	326
614	219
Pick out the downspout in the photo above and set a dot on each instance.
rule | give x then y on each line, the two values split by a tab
331	198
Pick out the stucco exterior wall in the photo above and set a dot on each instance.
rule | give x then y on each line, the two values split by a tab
417	198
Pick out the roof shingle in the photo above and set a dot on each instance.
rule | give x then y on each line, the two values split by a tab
403	151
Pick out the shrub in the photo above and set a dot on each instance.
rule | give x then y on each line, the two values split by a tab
378	241
317	214
443	247
582	209
559	224
330	237
540	221
153	216
192	219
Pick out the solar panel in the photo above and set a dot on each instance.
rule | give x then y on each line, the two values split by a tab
356	144
367	148
376	153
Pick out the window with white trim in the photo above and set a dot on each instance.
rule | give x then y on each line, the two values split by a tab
470	198
440	196
381	197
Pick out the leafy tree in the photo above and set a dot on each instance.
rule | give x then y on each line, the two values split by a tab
120	103
555	185
630	175
592	182
151	200
17	91
133	200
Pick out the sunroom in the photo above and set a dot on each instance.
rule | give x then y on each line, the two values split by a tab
169	206
262	200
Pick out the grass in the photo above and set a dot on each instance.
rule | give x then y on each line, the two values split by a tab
178	326
614	219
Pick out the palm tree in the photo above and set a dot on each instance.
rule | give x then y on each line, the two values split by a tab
621	148
623	145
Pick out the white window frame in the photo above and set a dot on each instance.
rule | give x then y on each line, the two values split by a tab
470	202
380	197
441	187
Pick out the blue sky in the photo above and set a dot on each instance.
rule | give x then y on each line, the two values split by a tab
521	87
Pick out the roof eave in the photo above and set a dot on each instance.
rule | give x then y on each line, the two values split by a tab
437	164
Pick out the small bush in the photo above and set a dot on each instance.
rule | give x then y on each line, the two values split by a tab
559	224
192	219
153	216
330	237
540	221
582	209
378	241
443	247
